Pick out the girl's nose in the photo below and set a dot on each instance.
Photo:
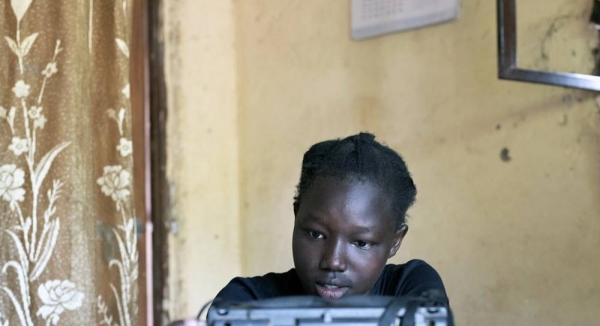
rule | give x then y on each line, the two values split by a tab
334	258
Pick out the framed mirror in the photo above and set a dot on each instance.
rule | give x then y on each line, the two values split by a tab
539	71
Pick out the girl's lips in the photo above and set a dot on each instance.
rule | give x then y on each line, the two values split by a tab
328	291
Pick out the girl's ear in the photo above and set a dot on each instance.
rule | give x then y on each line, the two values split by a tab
397	241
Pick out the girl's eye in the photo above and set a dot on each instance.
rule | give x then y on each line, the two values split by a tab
315	234
363	244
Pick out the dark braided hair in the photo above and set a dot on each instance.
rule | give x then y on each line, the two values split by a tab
359	158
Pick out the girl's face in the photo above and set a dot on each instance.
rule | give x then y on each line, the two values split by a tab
344	233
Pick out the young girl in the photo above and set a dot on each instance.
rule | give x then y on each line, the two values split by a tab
350	218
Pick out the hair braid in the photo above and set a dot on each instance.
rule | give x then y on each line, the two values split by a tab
359	157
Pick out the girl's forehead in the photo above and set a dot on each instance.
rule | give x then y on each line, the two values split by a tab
334	189
355	202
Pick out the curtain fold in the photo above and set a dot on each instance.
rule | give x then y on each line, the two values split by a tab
68	232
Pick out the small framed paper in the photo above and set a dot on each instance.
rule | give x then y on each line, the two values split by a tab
378	17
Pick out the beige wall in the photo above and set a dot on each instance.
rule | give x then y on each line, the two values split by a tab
202	151
516	242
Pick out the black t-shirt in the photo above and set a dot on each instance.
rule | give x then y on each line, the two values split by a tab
410	279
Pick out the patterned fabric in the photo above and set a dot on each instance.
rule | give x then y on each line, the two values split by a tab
68	243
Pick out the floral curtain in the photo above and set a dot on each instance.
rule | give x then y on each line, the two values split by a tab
68	243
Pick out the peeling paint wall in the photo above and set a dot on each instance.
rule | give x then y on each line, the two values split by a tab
556	36
508	173
202	151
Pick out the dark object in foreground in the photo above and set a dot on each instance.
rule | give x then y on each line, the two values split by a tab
427	310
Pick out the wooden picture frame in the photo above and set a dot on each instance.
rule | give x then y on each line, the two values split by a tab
156	167
508	68
149	105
